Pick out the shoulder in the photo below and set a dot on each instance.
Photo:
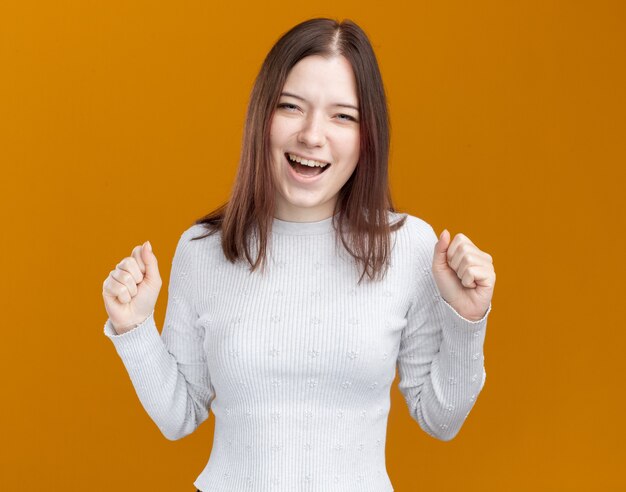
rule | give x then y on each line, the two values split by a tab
194	241
415	227
416	241
198	234
194	231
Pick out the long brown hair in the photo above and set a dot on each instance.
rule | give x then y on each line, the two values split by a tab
364	200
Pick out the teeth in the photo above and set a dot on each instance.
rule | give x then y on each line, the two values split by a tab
307	162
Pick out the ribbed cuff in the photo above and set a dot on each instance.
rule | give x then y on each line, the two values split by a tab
134	345
462	332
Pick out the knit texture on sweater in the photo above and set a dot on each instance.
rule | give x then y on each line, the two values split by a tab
296	364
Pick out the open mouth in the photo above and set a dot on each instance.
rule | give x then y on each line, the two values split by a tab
305	170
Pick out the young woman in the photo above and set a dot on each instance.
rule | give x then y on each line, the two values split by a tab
292	304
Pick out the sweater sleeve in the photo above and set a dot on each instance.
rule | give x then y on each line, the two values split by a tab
440	359
169	371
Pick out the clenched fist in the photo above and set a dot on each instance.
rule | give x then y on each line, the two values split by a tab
464	275
131	290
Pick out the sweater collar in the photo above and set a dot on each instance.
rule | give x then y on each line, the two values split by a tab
323	226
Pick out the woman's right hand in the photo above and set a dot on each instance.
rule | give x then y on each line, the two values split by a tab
131	290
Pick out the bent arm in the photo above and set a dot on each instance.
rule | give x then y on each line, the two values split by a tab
169	371
440	361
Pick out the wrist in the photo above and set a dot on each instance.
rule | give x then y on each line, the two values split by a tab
124	329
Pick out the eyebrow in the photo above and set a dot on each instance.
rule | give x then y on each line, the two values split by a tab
343	105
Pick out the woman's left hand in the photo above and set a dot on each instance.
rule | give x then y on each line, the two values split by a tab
464	275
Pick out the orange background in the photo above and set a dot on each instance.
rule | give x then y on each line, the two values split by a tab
121	122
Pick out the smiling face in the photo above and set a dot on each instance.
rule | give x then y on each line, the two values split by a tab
316	118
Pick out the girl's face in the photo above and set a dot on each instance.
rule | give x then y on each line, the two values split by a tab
316	118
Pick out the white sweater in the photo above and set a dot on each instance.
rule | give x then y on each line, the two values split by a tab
297	365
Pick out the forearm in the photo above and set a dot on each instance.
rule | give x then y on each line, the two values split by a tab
160	386
457	376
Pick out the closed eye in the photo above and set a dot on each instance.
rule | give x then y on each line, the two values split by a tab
342	116
287	106
349	118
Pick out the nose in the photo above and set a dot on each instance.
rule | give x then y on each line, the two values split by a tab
312	131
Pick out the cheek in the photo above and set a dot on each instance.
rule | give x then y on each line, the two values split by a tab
279	131
352	147
274	133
